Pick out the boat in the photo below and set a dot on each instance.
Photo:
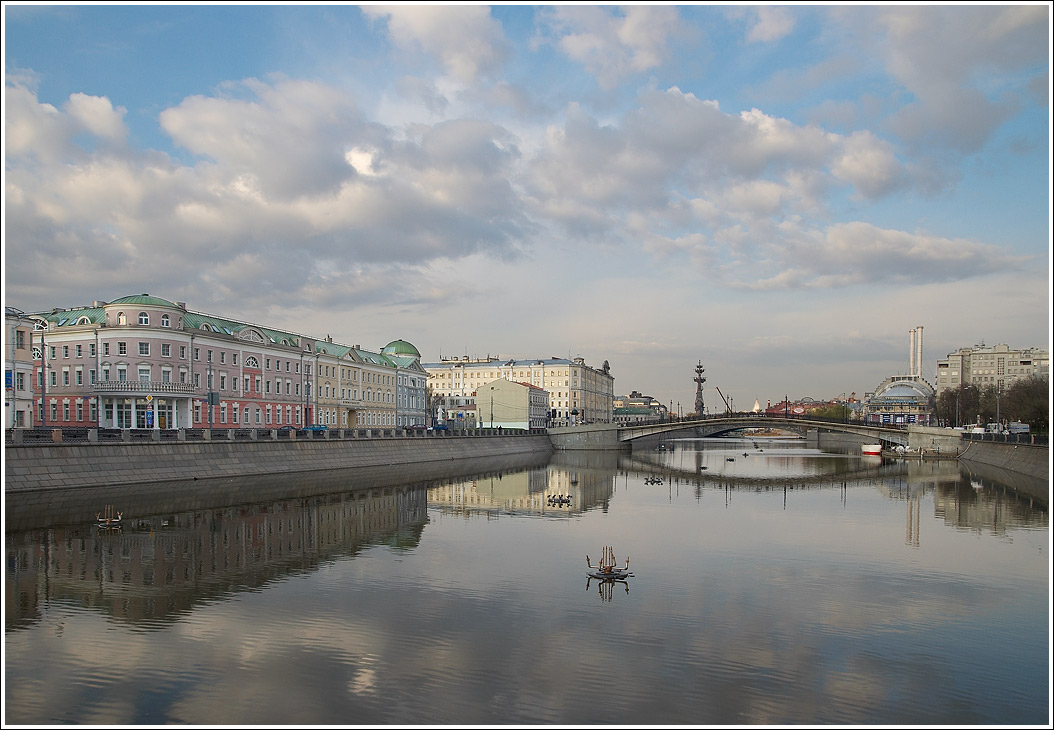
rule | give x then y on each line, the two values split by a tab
871	449
108	519
607	570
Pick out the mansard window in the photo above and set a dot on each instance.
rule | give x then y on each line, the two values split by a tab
144	318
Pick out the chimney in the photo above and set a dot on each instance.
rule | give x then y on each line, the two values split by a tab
918	351
911	353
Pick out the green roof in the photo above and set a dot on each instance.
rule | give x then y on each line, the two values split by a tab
144	299
401	347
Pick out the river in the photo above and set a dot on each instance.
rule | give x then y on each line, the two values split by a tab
772	583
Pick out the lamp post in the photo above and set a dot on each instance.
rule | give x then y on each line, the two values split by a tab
43	380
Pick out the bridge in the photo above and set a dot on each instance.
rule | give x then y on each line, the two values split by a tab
612	436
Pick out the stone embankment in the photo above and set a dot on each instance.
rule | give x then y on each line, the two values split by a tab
62	465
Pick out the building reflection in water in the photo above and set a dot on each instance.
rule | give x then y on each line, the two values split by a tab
160	567
155	569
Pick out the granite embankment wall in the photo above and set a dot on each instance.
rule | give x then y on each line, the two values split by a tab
1020	467
1032	461
64	466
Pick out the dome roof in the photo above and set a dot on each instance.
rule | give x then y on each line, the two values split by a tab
400	347
144	299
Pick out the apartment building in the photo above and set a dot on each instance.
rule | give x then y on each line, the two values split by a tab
145	362
577	392
997	365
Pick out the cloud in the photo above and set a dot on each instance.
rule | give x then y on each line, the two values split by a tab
612	45
468	42
962	90
772	24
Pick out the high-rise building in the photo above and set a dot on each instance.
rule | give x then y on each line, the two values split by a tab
996	365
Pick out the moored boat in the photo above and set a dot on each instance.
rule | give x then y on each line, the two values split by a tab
871	449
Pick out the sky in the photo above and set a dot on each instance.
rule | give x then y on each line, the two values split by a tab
780	193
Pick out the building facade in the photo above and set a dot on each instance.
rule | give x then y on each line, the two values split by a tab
577	393
997	365
505	403
18	368
637	409
146	362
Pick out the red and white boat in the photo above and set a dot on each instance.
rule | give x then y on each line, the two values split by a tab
871	449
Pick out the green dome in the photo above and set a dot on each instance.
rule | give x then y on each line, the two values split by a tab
400	347
144	299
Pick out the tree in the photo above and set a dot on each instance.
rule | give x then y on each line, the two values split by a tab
959	406
1028	400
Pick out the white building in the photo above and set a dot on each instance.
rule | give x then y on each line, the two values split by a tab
18	369
577	392
507	404
997	365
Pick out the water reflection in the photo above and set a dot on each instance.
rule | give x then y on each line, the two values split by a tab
159	566
824	587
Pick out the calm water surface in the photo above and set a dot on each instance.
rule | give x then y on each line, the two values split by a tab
773	584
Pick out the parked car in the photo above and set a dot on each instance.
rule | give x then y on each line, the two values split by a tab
287	428
316	427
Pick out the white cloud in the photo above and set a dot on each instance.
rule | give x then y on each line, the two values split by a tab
97	116
612	45
772	24
467	41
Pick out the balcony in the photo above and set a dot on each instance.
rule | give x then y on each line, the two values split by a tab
142	387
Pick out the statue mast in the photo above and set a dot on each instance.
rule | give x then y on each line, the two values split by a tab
699	380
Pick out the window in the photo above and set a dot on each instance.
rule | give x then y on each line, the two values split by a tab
197	353
164	320
182	352
223	381
166	375
122	374
144	374
79	375
65	376
223	357
20	339
144	318
208	355
91	350
144	348
80	352
121	318
122	348
66	351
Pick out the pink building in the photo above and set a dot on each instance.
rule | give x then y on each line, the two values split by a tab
145	362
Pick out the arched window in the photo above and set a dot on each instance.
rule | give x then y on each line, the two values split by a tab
83	320
252	362
144	318
164	320
121	318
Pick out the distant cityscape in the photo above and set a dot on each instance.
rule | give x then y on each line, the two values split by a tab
144	362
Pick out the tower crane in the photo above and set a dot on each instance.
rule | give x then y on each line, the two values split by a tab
728	408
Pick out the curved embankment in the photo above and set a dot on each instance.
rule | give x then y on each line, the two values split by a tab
71	466
1023	468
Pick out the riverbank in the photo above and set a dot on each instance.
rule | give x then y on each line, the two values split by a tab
66	466
1023	468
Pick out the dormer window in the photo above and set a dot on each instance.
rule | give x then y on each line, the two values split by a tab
144	319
